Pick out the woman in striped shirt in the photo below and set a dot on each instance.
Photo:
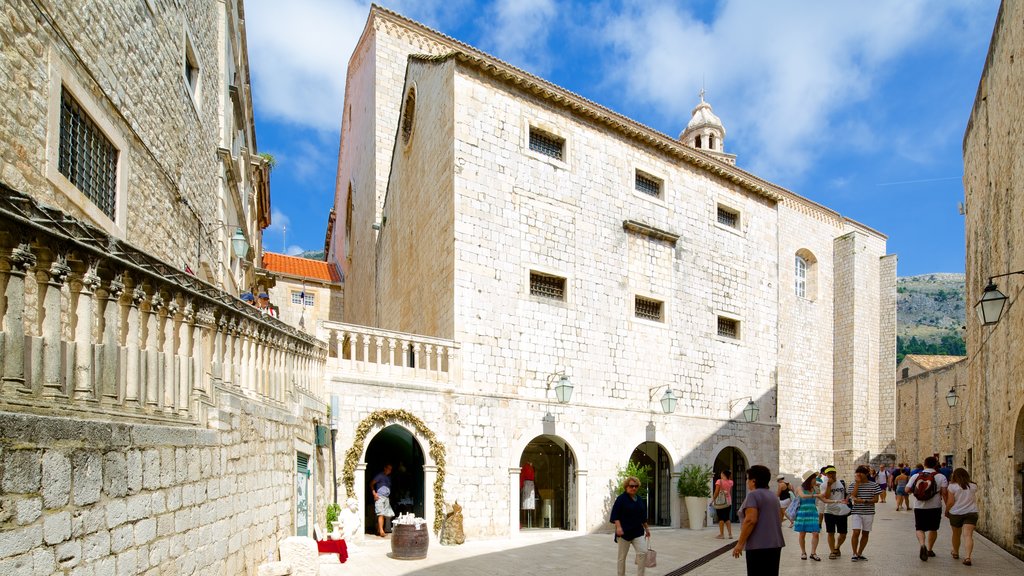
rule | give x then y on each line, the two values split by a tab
862	515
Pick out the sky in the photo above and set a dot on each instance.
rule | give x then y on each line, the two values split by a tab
859	106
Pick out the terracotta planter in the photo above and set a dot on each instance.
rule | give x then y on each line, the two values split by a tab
696	510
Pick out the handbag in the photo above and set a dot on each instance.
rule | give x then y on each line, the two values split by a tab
793	507
721	501
651	558
712	516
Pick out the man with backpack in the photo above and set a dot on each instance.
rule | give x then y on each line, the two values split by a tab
837	512
928	490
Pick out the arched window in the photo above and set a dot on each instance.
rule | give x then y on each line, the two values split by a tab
801	276
711	141
696	142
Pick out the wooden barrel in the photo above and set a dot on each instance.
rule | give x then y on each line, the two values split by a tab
409	541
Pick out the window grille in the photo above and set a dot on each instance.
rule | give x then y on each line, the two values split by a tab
547	286
648	185
801	277
728	217
545	144
648	309
85	156
728	327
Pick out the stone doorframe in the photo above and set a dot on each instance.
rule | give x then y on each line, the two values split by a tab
516	452
354	467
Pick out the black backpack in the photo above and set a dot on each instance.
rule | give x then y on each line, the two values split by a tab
925	486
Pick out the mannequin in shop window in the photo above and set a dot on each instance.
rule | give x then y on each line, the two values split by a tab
528	491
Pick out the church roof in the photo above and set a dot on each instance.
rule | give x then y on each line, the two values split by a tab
300	267
704	117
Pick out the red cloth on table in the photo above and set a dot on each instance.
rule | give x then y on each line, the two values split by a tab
333	546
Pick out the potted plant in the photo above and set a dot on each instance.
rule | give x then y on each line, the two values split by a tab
695	487
332	515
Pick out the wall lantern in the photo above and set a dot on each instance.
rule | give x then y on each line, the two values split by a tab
239	244
563	388
952	398
992	302
668	399
750	411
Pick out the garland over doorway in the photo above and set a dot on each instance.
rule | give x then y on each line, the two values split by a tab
384	418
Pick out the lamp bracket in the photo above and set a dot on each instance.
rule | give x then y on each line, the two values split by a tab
735	401
653	389
991	278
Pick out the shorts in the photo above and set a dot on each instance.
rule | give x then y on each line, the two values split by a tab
835	523
785	503
862	522
901	490
882	486
382	506
927	519
723	514
958	520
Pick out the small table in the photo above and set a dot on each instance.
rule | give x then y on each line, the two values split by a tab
333	547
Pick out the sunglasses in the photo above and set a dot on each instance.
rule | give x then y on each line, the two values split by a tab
632	485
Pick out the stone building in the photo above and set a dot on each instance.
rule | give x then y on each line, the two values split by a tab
305	291
994	200
502	237
925	422
149	419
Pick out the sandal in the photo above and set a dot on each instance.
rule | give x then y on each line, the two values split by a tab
815	558
833	556
803	555
955	555
967	561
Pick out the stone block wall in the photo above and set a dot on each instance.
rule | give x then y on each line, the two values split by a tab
994	200
925	424
91	497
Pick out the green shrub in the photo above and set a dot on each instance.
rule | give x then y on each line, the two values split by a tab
332	515
643	473
695	480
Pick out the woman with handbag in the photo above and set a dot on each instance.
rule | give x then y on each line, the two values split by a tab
722	501
629	514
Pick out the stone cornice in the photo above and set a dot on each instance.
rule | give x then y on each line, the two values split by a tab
647	230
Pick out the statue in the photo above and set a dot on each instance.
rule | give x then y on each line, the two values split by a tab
350	521
451	529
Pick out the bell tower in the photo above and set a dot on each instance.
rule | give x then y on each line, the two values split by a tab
705	132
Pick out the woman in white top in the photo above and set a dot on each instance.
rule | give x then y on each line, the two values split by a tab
962	511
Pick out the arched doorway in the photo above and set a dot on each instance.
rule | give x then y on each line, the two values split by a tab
658	491
396	446
1018	481
552	503
731	459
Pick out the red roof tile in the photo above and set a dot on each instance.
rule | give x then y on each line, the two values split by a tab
303	267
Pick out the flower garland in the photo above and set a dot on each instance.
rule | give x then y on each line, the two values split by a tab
382	418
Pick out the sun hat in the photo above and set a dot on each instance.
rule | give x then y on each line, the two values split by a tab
780	477
809	474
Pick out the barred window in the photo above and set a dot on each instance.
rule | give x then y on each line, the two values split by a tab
547	144
648	184
730	218
85	156
303	298
648	309
547	286
728	327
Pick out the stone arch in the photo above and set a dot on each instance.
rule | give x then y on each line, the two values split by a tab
377	421
1018	475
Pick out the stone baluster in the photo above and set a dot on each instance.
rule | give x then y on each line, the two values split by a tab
260	362
244	380
366	347
378	353
85	320
417	356
207	348
151	355
429	365
134	344
20	261
185	359
168	386
351	337
226	327
50	328
405	346
392	361
108	372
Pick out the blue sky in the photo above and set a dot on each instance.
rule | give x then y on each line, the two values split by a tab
860	106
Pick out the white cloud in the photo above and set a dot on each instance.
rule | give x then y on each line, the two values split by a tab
294	250
298	54
781	71
517	31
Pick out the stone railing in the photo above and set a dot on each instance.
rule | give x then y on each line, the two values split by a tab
365	351
93	325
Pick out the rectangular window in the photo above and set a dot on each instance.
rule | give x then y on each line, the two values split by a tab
85	156
648	184
547	144
801	277
730	218
191	70
728	327
547	286
648	309
304	298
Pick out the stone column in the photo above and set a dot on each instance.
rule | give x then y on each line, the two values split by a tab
21	260
429	477
85	316
134	377
151	396
514	501
581	500
207	349
109	372
185	359
675	501
53	383
168	386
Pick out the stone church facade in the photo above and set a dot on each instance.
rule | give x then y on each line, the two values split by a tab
499	235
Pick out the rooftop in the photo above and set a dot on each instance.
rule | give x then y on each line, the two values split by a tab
300	267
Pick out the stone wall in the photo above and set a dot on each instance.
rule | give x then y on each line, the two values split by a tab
925	424
105	497
994	200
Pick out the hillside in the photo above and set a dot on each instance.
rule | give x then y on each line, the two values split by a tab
930	311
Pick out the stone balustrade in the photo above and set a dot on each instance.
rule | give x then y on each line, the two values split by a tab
93	325
365	351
